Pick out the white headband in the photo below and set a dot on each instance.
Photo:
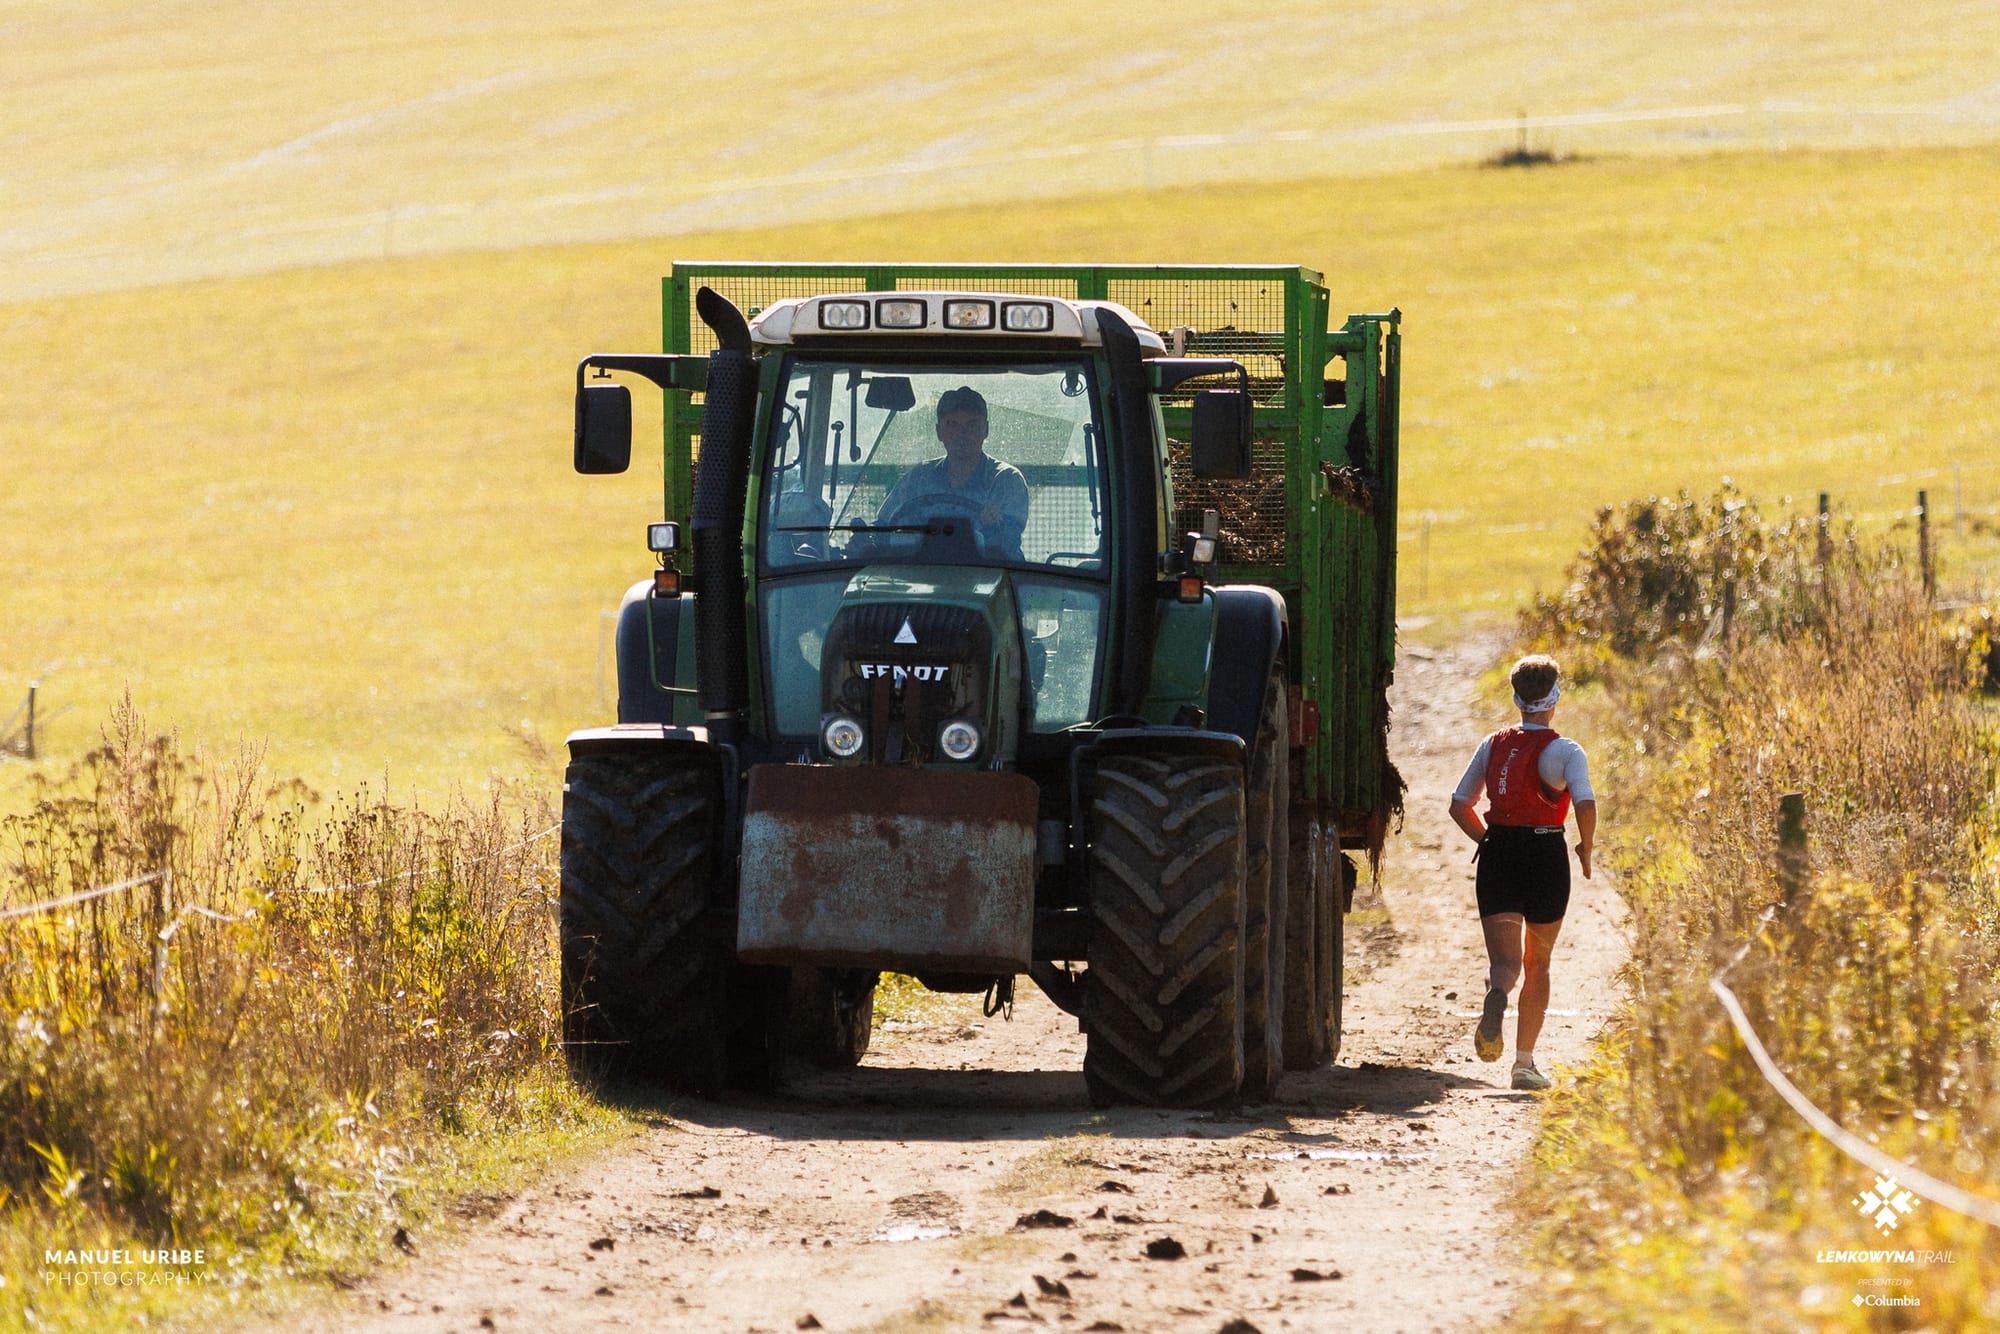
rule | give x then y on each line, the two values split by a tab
1541	705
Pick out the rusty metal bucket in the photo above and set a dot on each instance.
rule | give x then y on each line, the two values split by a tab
916	870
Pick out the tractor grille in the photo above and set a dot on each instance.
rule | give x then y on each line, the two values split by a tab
903	693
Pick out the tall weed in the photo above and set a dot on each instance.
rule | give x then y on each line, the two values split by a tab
1674	1176
246	1053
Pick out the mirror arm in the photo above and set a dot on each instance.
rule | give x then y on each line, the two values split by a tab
667	370
1168	373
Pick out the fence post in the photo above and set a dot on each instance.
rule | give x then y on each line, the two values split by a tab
1792	845
1924	558
28	745
1825	534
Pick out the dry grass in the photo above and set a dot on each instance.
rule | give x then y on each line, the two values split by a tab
289	1046
1673	1176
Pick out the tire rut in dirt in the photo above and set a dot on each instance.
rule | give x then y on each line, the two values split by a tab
644	966
1163	995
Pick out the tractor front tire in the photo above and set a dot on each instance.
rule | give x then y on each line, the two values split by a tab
1163	997
645	967
832	1016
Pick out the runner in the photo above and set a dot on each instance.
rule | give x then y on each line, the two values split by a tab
1530	775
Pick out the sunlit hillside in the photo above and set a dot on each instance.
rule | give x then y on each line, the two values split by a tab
333	507
151	142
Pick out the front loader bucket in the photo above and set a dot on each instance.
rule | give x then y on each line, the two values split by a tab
914	870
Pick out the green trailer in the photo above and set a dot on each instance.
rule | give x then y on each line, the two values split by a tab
1096	697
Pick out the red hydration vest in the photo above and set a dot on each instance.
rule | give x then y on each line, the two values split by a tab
1515	792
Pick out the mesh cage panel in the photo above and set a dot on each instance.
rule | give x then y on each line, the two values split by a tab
753	293
981	282
1254	513
1237	318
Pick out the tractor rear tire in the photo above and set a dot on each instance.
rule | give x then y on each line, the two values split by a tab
1163	997
646	969
1266	856
823	1030
1311	947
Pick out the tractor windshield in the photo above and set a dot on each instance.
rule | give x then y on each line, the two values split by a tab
985	464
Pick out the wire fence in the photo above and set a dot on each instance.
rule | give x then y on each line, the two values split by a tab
1791	865
164	878
1939	508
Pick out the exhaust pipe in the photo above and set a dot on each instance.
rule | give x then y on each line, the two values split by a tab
722	479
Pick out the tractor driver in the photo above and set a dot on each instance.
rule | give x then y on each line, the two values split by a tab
966	481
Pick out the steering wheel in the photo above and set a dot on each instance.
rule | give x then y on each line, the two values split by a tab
933	505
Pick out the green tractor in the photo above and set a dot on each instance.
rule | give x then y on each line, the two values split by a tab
1035	620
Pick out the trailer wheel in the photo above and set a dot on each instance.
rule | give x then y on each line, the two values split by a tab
832	1016
645	970
1267	853
1341	902
1163	997
1312	949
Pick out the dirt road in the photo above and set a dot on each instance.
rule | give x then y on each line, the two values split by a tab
960	1179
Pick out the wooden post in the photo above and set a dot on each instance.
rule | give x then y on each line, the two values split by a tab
28	745
1925	561
1792	844
1725	559
1825	535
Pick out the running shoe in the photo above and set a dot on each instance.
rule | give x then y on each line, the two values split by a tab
1486	1038
1527	1077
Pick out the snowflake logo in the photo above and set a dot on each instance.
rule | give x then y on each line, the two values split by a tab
1886	1204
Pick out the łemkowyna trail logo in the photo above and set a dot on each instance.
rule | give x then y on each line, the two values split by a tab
1886	1205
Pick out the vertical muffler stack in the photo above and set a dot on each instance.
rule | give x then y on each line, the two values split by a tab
722	478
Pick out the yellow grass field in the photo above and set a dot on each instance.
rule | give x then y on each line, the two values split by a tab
154	141
331	508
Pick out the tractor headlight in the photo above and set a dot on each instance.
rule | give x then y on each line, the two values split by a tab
843	314
899	314
843	737
1027	317
968	314
959	740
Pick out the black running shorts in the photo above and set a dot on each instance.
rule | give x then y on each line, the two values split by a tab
1524	870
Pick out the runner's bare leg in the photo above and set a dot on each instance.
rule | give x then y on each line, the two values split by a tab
1534	1002
1503	949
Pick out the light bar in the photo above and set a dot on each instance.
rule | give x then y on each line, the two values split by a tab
968	314
1027	317
902	314
843	314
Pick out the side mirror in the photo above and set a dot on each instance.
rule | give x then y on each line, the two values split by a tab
603	428
1221	434
891	393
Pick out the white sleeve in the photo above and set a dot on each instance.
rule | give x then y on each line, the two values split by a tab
1564	767
1473	782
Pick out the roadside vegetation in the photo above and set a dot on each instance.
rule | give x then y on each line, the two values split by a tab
1737	657
306	1041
